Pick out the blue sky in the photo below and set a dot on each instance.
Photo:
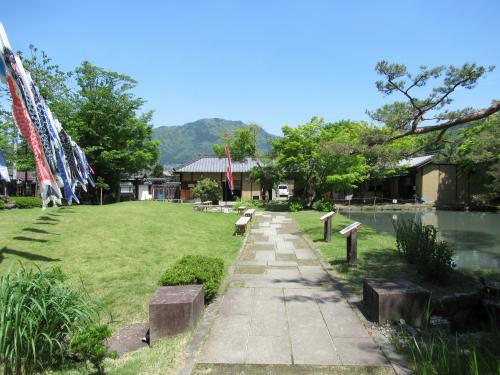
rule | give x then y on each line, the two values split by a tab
270	62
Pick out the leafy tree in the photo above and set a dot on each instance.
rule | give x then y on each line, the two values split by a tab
479	151
116	139
207	190
268	175
242	144
157	170
298	156
427	114
101	185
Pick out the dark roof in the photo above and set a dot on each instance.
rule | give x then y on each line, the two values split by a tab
416	161
214	164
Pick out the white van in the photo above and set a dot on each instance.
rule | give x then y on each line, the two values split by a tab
283	191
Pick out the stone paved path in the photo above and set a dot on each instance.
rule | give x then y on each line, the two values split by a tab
282	307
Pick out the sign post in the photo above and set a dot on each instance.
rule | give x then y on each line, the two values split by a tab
327	220
351	234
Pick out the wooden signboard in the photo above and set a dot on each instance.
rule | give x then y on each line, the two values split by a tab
351	234
327	219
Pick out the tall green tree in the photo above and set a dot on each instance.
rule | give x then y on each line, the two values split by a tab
116	138
242	143
334	157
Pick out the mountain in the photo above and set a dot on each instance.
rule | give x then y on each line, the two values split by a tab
182	143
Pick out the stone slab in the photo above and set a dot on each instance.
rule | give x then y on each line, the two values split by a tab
174	309
282	263
269	350
237	301
228	340
359	351
265	255
305	254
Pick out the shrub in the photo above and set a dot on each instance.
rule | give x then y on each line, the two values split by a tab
419	245
296	204
324	205
2	204
196	269
37	316
88	344
249	203
26	202
207	190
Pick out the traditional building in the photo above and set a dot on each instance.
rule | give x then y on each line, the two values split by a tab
427	180
214	168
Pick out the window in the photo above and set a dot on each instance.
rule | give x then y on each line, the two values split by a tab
126	188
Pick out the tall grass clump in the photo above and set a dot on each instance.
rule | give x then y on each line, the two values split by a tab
418	243
38	313
437	353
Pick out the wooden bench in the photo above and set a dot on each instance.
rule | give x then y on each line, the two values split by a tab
240	226
241	209
250	212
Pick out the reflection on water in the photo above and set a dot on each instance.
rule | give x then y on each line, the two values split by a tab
474	235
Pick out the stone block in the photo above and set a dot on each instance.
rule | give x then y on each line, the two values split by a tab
391	300
174	309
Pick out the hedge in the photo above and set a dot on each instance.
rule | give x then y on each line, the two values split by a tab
196	269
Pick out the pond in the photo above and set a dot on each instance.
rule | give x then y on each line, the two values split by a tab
475	236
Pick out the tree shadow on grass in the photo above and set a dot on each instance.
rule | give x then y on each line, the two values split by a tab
24	238
47	218
36	230
26	255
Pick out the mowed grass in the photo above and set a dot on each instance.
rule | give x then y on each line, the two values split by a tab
377	256
116	252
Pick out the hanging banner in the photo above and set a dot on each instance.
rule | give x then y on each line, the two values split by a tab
229	171
59	162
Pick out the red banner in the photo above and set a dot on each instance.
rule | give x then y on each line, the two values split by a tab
229	170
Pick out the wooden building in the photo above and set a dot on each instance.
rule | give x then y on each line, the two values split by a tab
214	168
426	180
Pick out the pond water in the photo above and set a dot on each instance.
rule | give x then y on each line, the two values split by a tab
475	236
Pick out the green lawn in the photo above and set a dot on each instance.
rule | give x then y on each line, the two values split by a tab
377	256
118	252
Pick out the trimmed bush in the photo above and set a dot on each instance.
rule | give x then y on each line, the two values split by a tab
207	190
38	314
419	245
2	204
324	205
196	269
26	202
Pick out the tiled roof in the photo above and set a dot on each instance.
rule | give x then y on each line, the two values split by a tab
215	164
416	161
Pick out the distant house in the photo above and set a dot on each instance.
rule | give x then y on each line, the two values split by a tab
429	181
214	168
147	188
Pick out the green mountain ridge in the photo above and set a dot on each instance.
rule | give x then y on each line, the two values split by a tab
182	143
